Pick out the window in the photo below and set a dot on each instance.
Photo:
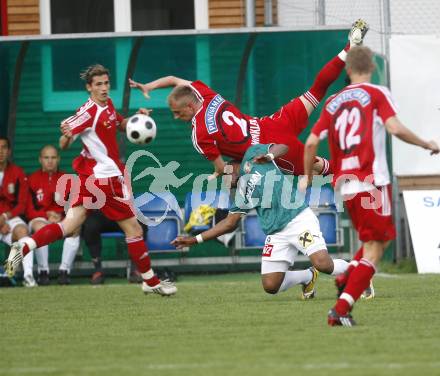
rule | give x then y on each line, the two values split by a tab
82	16
162	14
63	60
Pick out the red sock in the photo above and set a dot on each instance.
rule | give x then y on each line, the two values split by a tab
359	254
328	74
347	47
343	278
137	249
46	235
358	281
355	261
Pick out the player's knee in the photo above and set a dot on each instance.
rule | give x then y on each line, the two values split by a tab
134	231
271	286
19	232
322	262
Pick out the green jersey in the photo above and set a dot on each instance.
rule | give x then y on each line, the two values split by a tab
266	189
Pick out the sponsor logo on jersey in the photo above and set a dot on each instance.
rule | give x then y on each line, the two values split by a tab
359	95
306	239
210	114
251	184
267	250
40	194
11	188
255	131
350	163
80	120
247	167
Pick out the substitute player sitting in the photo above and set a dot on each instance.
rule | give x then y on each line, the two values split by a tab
219	128
289	228
42	209
13	198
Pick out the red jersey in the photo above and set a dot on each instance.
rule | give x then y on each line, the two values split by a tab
219	128
353	120
13	191
97	126
43	194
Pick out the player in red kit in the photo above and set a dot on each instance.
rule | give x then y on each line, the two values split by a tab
42	208
221	129
101	177
13	198
356	120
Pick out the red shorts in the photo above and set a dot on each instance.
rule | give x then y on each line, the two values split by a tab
374	222
283	127
110	195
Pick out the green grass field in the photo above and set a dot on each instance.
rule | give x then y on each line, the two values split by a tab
219	325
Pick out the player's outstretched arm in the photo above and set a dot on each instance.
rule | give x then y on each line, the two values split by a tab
163	82
228	224
394	126
219	167
310	149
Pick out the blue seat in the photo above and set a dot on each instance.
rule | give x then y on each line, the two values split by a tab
253	235
216	199
321	197
322	201
160	236
328	225
158	203
163	217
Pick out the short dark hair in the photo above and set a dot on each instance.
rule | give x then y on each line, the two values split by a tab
8	143
92	71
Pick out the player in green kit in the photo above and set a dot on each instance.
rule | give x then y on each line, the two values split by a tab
290	227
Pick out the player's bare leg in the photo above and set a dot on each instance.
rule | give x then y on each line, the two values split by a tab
274	281
138	252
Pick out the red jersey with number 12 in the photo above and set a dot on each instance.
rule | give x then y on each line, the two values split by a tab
353	120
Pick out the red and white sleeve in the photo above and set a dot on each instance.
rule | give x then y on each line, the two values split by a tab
79	122
385	104
320	129
202	90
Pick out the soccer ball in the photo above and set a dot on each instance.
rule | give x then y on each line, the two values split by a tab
141	129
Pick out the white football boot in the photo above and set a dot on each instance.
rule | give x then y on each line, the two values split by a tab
164	288
14	259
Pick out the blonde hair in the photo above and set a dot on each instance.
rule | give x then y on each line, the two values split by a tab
92	71
183	95
360	60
